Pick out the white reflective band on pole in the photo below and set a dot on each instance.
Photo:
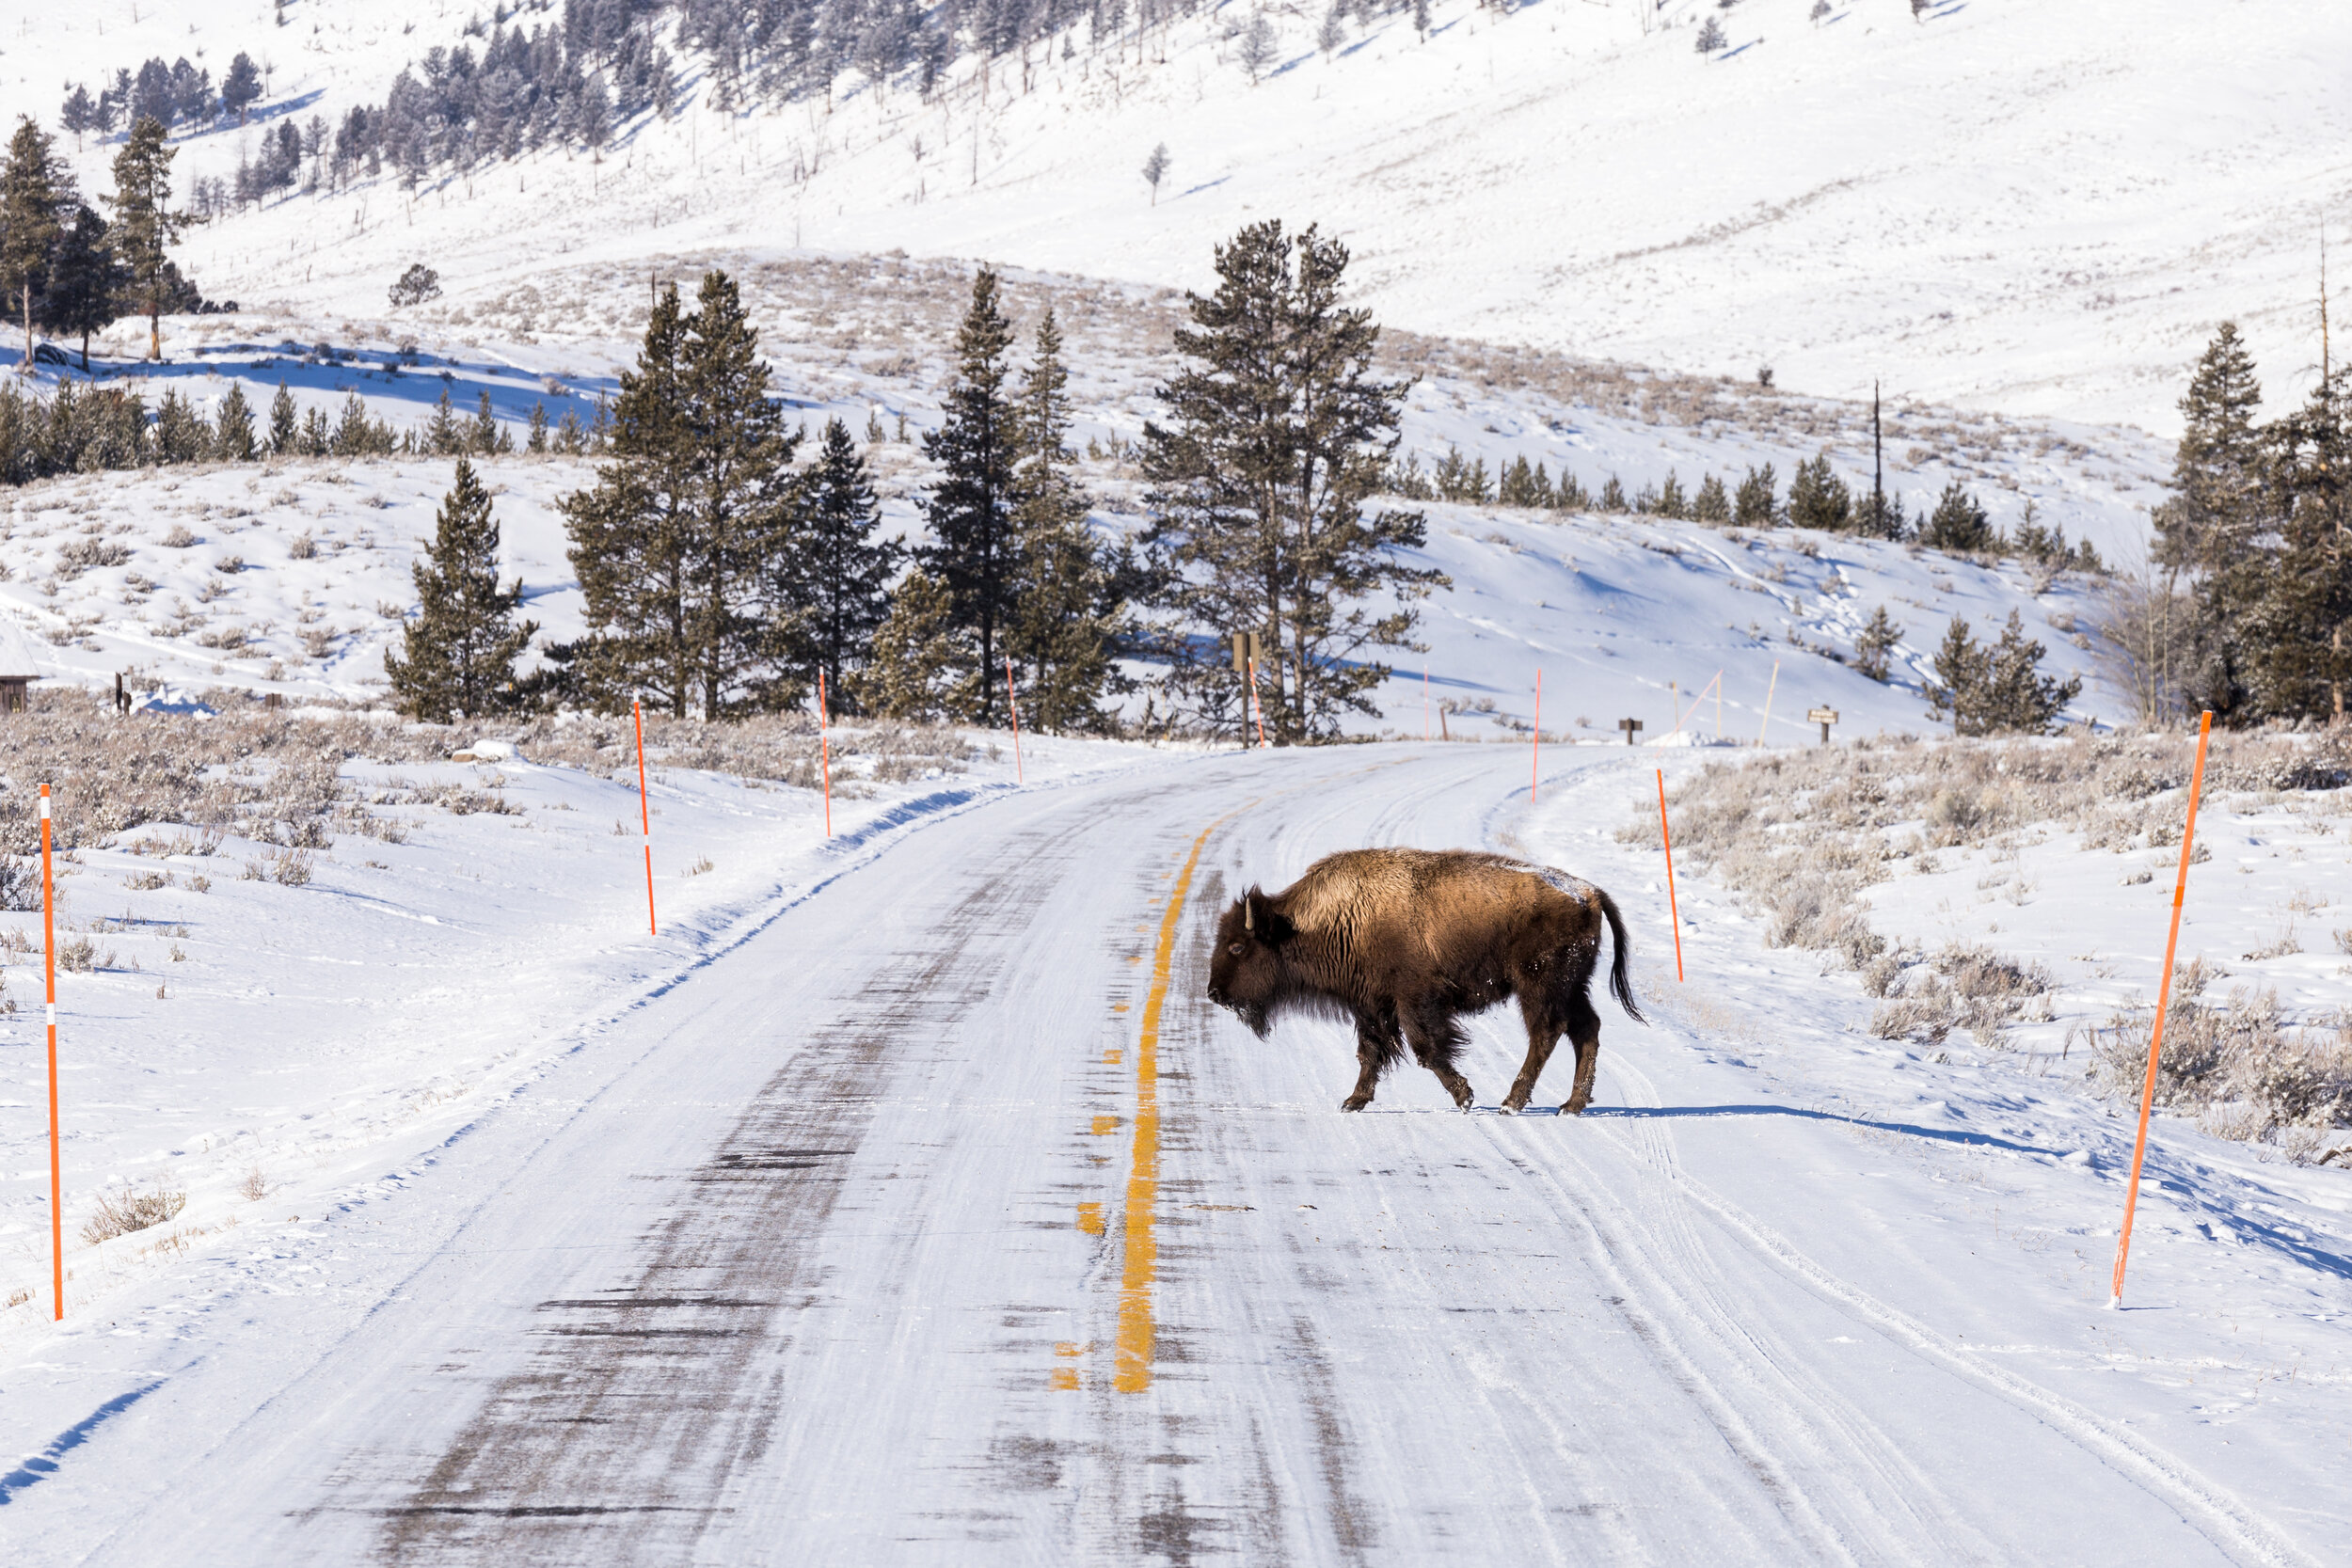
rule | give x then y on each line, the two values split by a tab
45	808
53	1015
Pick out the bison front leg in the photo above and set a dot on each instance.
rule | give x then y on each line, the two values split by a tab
1375	1048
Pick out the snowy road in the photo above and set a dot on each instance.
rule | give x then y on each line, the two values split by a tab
944	1222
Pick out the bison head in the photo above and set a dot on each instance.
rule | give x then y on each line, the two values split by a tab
1245	973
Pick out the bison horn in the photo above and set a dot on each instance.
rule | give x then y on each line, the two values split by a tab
1249	916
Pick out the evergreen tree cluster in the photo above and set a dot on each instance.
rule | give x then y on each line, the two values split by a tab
1817	499
567	84
82	428
59	270
1013	590
2255	531
177	96
1998	690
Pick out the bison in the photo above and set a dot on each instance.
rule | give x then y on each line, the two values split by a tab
1405	941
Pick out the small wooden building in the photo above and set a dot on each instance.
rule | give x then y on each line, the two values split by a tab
17	667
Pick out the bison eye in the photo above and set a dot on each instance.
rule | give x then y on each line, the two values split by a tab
1235	948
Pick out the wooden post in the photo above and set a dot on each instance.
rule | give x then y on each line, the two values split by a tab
2164	999
1629	725
1824	717
1767	703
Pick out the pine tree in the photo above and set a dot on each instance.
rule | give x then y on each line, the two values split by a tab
241	88
923	668
1999	690
443	436
1421	19
1671	502
2292	630
84	281
1260	488
1257	48
484	434
1155	171
975	548
1959	671
33	197
145	228
1876	643
840	567
1333	33
285	433
1613	498
1067	622
1714	505
458	657
2217	470
1958	524
536	443
1757	504
233	428
2017	698
673	543
1819	499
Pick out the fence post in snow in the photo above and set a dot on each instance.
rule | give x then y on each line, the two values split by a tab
2164	998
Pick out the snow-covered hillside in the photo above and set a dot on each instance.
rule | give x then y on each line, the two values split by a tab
2009	204
1621	612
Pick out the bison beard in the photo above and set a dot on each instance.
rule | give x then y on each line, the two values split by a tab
1403	942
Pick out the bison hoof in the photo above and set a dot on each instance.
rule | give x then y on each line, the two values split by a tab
1573	1108
1511	1107
1355	1103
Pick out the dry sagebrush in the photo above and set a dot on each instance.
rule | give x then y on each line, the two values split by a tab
1803	835
278	777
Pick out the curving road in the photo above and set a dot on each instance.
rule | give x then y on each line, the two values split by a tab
942	1222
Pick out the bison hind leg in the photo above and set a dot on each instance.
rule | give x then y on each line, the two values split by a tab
1584	1029
1544	1026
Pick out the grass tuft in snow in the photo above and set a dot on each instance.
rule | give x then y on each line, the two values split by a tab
120	1213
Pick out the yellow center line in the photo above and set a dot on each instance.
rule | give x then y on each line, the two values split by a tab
1132	1373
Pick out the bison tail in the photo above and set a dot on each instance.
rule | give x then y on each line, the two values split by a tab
1619	985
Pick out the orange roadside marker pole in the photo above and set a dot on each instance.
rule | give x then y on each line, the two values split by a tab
1019	776
2163	997
824	749
1536	742
49	963
645	811
1673	913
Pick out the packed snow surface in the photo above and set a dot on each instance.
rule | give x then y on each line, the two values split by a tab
905	1199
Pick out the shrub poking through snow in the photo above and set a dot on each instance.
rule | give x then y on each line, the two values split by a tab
121	1211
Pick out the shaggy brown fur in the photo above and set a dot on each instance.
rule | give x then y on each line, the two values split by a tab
1405	941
